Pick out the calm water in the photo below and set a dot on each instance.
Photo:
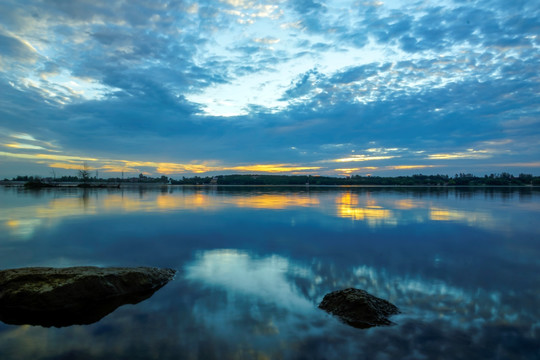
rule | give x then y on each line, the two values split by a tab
253	264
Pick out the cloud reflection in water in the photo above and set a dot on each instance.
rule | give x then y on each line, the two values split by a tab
239	273
275	293
234	304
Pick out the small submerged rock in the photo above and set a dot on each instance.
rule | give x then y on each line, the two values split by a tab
358	308
76	295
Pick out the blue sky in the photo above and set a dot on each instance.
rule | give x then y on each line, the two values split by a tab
179	88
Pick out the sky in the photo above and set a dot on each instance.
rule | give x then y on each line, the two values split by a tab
184	88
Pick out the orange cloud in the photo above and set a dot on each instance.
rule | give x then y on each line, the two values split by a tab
172	168
355	158
272	168
25	146
118	168
349	171
46	157
67	166
410	167
469	154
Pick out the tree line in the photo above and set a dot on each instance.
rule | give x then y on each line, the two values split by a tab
502	179
414	180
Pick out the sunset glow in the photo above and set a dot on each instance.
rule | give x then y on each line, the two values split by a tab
271	87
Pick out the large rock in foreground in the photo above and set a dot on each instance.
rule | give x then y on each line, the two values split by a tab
77	295
358	308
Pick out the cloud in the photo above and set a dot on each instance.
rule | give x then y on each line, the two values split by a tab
17	49
303	86
355	158
469	154
47	157
176	83
274	168
266	40
25	146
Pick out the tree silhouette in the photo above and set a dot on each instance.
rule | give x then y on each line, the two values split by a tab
84	173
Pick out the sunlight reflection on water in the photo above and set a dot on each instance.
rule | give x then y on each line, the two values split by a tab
22	221
255	262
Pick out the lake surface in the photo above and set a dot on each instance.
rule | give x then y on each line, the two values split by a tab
253	264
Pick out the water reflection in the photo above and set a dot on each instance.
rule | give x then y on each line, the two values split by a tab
377	212
249	281
90	314
254	264
360	205
468	217
22	228
22	221
348	206
238	273
275	201
299	288
407	204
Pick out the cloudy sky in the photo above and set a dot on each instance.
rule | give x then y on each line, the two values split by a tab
339	87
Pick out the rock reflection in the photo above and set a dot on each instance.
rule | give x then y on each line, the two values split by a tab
234	304
274	296
73	296
278	281
89	315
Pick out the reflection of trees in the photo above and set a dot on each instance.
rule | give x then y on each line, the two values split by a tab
465	313
142	191
85	198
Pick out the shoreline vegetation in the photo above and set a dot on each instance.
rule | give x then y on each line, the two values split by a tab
503	179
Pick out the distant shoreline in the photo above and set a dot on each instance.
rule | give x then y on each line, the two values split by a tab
154	185
464	180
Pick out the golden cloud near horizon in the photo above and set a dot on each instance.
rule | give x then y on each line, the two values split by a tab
68	166
47	157
469	154
410	167
75	162
164	168
272	168
349	171
355	158
25	146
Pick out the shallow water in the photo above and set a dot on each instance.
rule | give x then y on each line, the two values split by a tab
253	264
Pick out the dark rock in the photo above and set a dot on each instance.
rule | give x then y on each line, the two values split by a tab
358	308
77	295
